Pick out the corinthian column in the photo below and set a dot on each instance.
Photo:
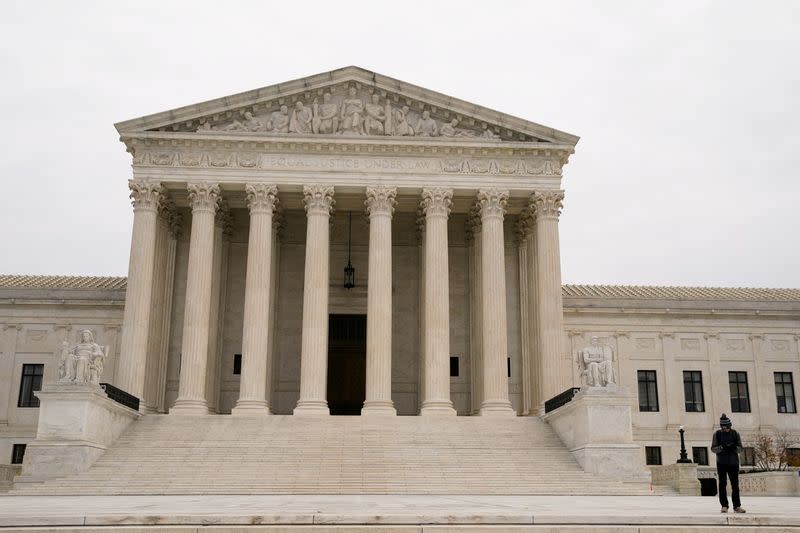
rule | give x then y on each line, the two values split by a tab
494	326
380	206
436	207
145	197
550	310
314	351
204	199
261	199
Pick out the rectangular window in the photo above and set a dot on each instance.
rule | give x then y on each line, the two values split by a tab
784	392
693	391
653	455
453	366
237	364
700	455
748	457
648	391
740	397
31	382
793	456
508	366
17	454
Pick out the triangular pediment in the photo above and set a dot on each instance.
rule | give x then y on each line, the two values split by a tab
348	102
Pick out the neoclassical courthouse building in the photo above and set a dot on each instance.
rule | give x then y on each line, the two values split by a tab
349	244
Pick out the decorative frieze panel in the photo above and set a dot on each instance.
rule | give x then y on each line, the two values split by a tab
359	163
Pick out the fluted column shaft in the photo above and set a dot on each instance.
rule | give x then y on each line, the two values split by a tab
261	199
534	366
493	317
272	319
138	296
550	313
314	350
204	199
476	310
380	206
436	205
151	389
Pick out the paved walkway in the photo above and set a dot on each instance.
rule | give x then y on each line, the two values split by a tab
388	510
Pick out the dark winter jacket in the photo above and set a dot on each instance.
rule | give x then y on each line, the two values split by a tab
727	447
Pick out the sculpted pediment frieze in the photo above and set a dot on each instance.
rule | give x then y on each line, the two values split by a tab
346	103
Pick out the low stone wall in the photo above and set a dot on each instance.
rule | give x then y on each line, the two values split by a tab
680	476
783	483
7	475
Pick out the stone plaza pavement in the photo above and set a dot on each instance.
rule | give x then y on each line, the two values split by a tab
395	513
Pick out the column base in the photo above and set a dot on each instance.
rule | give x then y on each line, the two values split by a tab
437	408
188	406
379	407
251	408
497	408
312	408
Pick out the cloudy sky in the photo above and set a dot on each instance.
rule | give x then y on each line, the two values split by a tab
686	172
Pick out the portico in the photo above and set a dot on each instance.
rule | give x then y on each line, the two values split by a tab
438	260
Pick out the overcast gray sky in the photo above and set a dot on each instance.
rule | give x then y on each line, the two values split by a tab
686	172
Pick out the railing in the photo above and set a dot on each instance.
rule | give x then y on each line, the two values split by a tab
562	399
120	396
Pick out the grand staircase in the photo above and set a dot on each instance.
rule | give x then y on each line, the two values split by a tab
170	454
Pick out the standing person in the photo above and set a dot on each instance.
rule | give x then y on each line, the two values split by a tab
727	444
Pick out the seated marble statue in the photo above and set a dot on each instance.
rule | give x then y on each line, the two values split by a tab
279	121
426	126
83	363
596	363
250	123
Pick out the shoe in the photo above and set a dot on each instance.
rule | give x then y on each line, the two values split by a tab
738	510
725	510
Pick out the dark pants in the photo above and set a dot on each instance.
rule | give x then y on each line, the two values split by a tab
723	472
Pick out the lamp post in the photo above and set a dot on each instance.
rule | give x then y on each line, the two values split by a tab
683	458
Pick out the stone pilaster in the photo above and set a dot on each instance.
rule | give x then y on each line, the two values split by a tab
145	196
8	349
719	402
550	310
380	207
762	389
436	206
673	404
261	200
476	309
494	323
314	351
204	199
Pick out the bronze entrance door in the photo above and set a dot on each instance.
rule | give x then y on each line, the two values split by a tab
347	363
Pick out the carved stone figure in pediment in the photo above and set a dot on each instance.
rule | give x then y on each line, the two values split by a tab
375	117
427	127
301	119
596	363
489	134
250	124
325	119
400	125
279	121
83	363
450	130
352	114
205	127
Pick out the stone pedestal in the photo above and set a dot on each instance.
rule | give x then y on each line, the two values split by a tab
77	422
597	428
680	476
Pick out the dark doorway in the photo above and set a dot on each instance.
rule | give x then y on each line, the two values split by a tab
347	363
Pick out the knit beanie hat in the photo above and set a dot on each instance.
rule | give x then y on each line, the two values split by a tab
724	421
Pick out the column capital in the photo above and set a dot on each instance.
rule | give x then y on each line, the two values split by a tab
547	204
473	221
204	197
711	335
492	203
169	214
224	219
380	200
756	337
419	225
666	335
261	197
318	199
436	201
15	327
621	334
145	194
575	333
278	222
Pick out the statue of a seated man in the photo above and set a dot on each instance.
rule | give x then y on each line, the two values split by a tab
596	362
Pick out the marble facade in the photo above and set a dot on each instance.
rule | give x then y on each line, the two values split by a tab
242	228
